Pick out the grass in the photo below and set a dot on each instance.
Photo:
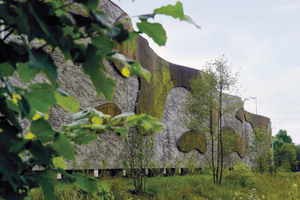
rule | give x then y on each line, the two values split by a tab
195	187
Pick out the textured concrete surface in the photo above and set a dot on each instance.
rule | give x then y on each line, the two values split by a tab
131	97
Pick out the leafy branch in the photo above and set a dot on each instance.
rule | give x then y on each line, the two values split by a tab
58	28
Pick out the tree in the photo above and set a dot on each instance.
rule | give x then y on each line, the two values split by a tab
59	26
298	157
201	107
138	151
284	151
207	104
281	138
288	157
261	154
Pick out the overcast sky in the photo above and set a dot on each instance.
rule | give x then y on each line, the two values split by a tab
260	39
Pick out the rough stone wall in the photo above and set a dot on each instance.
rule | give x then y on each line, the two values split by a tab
163	98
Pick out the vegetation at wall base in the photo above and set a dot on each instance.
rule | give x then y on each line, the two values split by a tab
199	186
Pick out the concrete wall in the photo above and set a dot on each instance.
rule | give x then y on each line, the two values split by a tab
163	98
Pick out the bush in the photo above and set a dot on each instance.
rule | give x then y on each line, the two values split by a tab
206	171
119	189
239	171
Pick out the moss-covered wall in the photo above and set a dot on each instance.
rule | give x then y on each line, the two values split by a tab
259	122
164	77
152	98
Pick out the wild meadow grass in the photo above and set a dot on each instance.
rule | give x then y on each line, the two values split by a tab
195	187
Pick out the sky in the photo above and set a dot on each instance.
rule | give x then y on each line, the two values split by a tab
260	39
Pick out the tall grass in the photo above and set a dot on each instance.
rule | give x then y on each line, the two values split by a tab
196	187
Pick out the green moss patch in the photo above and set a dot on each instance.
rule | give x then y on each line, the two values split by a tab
240	114
164	77
233	142
109	109
192	140
257	121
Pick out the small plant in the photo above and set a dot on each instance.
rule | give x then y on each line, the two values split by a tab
240	170
190	166
105	192
178	163
154	168
104	174
85	167
138	151
119	189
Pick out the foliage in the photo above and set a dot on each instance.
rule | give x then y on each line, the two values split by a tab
32	31
261	153
282	137
240	172
119	188
258	186
285	152
298	157
207	104
190	166
138	151
287	156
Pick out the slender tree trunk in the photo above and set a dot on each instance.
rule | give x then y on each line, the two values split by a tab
218	151
211	127
220	133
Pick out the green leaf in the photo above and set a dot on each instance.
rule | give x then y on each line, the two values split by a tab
103	19
5	14
26	72
191	21
59	8
120	130
63	146
146	121
38	59
146	17
175	11
92	4
6	69
153	30
59	163
87	184
42	130
115	120
146	74
46	180
85	139
135	68
67	102
103	44
89	113
8	108
24	106
40	152
40	97
93	68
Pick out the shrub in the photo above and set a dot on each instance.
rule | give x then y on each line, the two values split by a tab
190	165
119	189
240	170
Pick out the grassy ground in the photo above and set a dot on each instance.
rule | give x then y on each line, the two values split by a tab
195	187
